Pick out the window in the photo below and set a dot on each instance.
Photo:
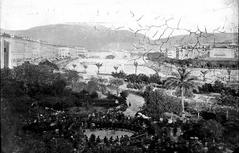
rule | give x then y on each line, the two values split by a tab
5	50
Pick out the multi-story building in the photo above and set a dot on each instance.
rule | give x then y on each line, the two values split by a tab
15	49
79	51
191	51
222	53
65	51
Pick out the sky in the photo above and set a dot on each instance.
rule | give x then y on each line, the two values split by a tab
212	14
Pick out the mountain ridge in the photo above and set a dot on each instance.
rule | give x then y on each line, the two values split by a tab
98	37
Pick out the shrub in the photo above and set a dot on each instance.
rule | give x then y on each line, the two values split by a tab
120	74
155	78
206	88
50	64
115	83
94	95
158	103
110	57
142	78
211	129
124	94
229	100
135	86
218	86
187	93
92	86
132	78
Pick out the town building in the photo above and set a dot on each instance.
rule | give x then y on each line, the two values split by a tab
190	51
17	49
80	51
222	53
65	51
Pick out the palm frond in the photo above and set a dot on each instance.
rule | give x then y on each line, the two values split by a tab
193	78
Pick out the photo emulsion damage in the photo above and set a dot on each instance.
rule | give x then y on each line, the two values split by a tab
116	76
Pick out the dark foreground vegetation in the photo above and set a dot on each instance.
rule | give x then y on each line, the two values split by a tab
35	118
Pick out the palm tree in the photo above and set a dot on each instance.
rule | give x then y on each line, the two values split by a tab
229	74
136	66
115	83
116	68
204	73
98	66
74	66
182	81
85	66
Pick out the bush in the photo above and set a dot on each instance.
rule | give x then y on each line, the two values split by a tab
211	129
158	103
155	78
110	57
50	64
187	93
218	86
92	86
120	74
124	94
229	99
135	86
142	78
206	88
94	95
133	78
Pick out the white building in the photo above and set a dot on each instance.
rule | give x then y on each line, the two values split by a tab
171	54
16	49
222	53
63	51
78	51
71	51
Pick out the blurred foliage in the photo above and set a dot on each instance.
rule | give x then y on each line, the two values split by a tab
158	102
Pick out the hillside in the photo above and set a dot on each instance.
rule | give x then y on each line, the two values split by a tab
219	38
91	37
98	37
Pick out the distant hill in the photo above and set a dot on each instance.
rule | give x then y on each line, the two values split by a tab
98	37
88	36
219	38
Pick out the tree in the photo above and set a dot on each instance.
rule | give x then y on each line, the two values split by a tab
85	66
116	68
204	73
212	129
182	81
98	66
102	84
92	86
229	74
136	66
72	76
116	83
74	66
158	102
110	57
50	64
